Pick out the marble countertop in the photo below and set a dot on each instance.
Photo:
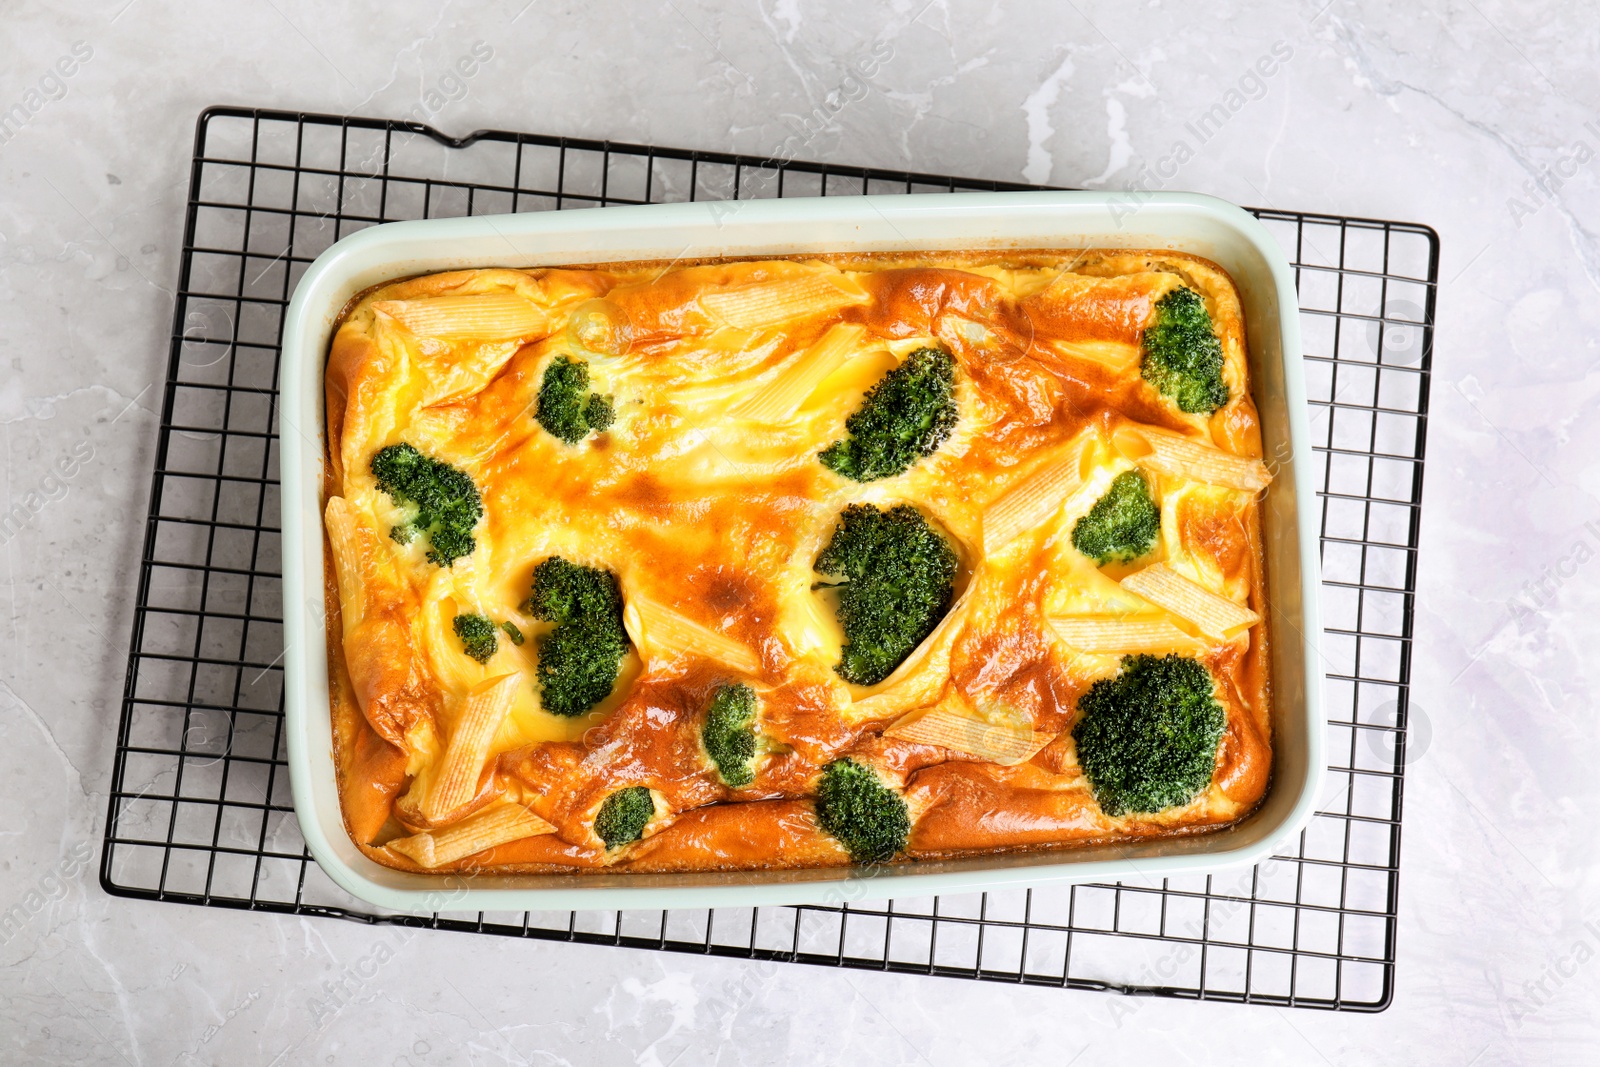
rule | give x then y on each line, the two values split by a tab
1482	121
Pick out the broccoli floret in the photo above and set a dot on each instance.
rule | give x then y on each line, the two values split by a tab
447	503
906	416
624	815
1123	524
599	412
580	658
478	638
729	734
1147	739
868	818
899	574
513	632
566	407
1182	356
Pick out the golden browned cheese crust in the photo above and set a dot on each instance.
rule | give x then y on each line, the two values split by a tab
718	516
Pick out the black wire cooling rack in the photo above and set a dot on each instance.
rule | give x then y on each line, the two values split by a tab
200	810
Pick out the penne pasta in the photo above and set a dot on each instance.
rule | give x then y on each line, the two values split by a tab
457	782
668	632
1120	356
1082	307
1110	634
762	304
487	317
1042	493
498	824
781	398
1213	614
344	539
1000	737
1181	457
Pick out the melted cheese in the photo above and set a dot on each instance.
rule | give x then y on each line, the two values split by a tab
719	518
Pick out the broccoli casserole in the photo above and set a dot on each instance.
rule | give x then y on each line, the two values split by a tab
793	562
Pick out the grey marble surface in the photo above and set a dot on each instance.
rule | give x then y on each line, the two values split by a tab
1481	119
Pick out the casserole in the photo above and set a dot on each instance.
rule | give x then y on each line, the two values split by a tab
1190	225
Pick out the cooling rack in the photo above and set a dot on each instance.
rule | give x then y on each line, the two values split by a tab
200	811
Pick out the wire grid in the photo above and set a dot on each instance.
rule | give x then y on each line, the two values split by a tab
200	810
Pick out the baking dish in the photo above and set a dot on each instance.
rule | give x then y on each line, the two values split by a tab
1181	222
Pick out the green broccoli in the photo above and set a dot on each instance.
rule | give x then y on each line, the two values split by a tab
1123	524
899	574
478	638
1182	356
579	659
729	734
447	503
624	815
513	632
1147	739
566	407
868	818
906	416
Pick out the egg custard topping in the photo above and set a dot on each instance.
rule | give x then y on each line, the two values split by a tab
794	563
